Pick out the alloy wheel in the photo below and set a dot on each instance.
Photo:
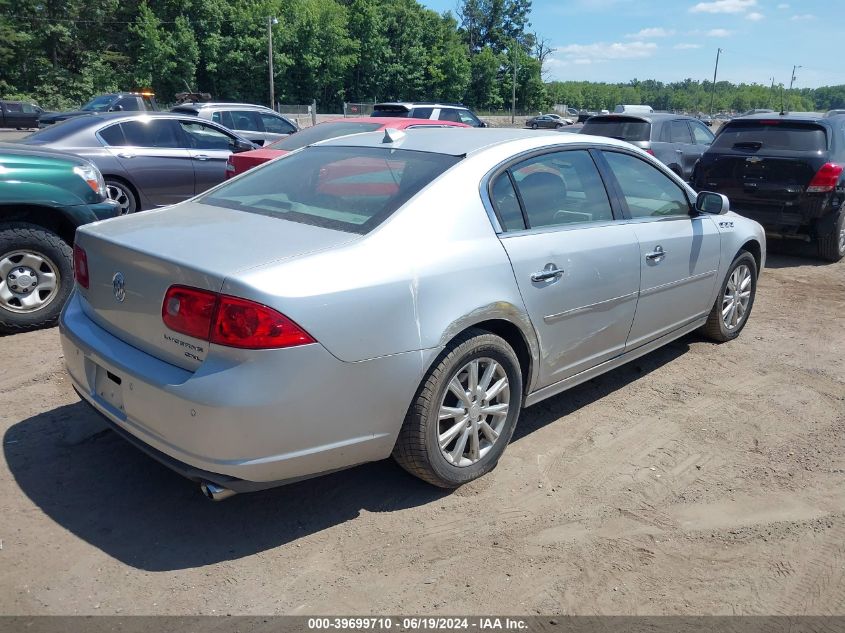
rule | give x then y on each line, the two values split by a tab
737	297
121	196
473	411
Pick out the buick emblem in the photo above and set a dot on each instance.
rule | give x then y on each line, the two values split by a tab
118	284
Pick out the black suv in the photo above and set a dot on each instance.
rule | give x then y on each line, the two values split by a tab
675	140
113	102
454	112
786	172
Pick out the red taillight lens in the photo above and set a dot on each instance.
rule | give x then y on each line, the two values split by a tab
229	321
650	151
189	311
825	179
245	324
80	266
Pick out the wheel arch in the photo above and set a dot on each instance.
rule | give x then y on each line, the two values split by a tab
45	217
756	250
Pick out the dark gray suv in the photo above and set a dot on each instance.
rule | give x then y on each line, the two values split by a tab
675	140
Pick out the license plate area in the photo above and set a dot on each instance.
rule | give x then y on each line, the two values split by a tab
108	388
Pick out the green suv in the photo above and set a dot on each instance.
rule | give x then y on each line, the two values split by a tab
44	196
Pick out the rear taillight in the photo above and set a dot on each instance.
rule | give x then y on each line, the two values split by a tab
825	179
649	151
80	266
229	321
230	170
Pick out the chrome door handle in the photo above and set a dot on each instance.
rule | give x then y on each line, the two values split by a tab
201	157
125	155
549	272
657	253
679	151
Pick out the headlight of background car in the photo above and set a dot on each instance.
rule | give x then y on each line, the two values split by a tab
92	176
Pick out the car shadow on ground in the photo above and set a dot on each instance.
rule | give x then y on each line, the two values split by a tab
784	254
99	487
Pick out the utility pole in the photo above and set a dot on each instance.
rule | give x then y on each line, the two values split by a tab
270	22
715	71
792	81
513	91
772	94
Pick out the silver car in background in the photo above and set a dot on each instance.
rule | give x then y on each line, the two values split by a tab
148	159
393	293
259	124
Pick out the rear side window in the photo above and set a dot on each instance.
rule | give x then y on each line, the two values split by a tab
391	111
554	190
161	133
679	132
624	129
422	113
246	120
772	134
351	189
113	135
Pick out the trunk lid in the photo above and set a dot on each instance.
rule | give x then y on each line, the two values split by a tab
140	256
763	166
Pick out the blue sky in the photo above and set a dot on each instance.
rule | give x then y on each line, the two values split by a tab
670	40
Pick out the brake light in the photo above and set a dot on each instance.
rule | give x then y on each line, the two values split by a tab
80	266
825	179
650	152
229	321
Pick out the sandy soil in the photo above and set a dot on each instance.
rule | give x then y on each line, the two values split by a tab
701	479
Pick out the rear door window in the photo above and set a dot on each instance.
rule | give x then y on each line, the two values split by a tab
772	134
246	120
224	118
202	136
679	132
162	133
421	113
352	189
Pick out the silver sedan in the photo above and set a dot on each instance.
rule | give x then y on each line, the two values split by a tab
393	293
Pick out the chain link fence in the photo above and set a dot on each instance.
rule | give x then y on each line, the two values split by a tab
358	109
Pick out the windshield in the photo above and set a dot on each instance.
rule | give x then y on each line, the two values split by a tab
351	189
98	104
624	129
774	134
321	132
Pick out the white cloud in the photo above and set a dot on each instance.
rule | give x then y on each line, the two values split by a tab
724	6
718	33
802	17
686	47
651	32
601	52
755	16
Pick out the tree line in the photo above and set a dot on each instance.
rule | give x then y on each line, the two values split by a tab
59	53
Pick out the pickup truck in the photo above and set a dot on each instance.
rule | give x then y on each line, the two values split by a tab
19	114
112	102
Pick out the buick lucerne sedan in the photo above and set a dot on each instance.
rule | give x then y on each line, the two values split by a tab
393	293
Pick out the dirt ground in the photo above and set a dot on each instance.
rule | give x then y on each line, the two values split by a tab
701	479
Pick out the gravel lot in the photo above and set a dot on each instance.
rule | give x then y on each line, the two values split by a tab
698	479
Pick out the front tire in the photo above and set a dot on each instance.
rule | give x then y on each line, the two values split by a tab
533	126
36	276
832	246
122	193
464	412
736	298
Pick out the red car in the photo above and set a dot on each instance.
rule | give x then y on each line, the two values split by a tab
239	163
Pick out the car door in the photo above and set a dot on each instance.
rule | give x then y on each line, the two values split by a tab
210	148
15	116
576	265
684	149
275	127
703	138
151	152
30	114
679	250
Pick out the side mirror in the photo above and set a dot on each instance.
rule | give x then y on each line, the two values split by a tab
483	124
117	108
242	146
713	203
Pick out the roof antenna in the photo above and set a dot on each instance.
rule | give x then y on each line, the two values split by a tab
392	135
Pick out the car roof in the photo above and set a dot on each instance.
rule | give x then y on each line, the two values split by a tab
413	104
817	117
464	141
644	116
220	104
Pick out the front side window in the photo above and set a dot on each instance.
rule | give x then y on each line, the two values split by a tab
701	134
351	189
647	191
469	118
554	190
201	136
449	114
275	124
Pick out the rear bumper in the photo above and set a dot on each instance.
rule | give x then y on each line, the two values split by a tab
280	416
813	217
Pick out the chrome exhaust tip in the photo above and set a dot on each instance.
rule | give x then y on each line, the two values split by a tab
214	492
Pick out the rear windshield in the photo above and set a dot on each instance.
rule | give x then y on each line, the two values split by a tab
765	134
352	189
630	130
391	111
59	131
321	132
98	104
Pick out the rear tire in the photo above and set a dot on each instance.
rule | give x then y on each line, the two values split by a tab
122	193
732	307
36	276
533	126
832	246
450	435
